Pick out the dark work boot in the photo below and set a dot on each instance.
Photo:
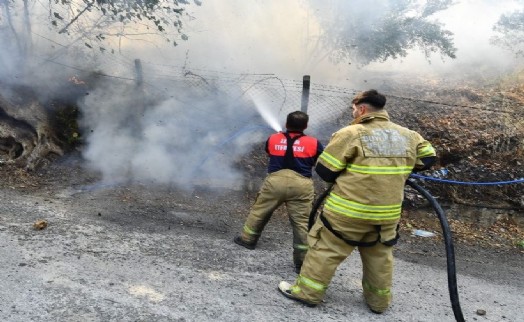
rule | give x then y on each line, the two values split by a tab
375	311
239	241
285	289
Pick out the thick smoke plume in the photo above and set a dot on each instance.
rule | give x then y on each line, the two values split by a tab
195	138
173	132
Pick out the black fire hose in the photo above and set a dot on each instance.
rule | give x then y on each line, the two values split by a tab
316	205
450	252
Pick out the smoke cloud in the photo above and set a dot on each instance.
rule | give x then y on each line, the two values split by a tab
290	39
195	138
171	131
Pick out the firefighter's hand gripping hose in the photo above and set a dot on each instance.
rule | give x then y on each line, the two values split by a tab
450	252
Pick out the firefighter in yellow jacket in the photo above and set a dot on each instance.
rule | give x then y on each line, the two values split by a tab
369	162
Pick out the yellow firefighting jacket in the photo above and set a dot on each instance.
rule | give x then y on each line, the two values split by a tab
374	157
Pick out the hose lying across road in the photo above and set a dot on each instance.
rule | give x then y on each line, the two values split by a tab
450	252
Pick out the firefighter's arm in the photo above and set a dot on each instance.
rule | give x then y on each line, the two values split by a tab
332	161
426	156
325	173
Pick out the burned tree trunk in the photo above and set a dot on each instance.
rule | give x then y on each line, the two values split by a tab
27	132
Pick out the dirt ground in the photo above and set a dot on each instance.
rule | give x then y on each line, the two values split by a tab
103	229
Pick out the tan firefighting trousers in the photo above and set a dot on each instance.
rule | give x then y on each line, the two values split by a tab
297	192
327	251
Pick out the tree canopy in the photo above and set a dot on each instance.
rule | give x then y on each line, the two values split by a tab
365	31
98	22
121	18
510	32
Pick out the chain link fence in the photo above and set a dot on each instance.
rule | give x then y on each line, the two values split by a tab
478	132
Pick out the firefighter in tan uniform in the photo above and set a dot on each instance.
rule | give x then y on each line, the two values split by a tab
292	156
368	162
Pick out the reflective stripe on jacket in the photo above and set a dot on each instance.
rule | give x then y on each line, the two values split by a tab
374	157
306	150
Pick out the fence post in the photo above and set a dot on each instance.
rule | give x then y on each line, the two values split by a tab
140	95
139	74
139	83
305	93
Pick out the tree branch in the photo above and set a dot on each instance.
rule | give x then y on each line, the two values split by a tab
11	26
77	16
27	22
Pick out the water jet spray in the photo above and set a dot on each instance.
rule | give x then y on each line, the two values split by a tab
263	108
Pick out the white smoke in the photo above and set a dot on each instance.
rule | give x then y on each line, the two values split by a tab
194	134
285	38
195	138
